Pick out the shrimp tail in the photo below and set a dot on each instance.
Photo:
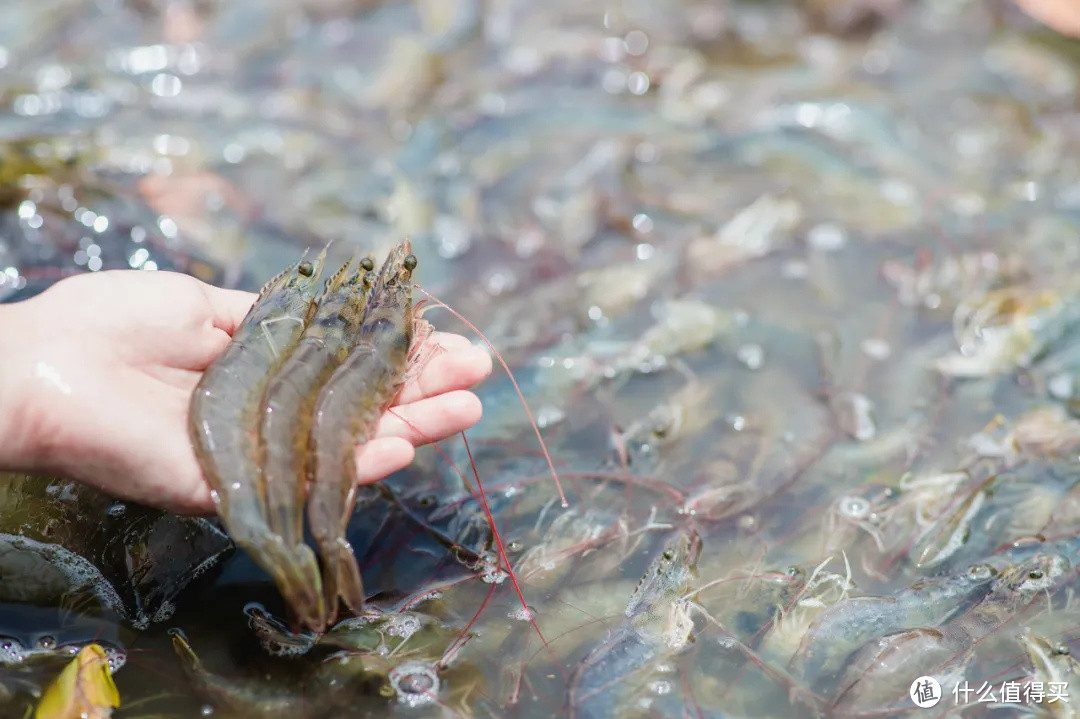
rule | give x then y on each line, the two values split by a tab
341	579
296	573
350	584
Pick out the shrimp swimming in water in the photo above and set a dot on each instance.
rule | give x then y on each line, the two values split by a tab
347	413
226	409
286	423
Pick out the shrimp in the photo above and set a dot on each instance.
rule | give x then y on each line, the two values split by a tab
846	626
346	414
239	698
286	422
227	404
655	625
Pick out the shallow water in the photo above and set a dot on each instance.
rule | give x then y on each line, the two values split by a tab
794	280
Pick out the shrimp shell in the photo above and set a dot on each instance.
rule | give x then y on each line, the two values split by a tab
347	413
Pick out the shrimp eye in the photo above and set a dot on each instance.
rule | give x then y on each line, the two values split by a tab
1061	650
1035	574
410	262
305	269
367	264
669	554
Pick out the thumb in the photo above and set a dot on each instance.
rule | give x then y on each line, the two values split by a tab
229	306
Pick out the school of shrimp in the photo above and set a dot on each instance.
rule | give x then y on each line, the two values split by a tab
789	292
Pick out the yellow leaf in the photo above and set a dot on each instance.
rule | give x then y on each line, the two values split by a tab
84	690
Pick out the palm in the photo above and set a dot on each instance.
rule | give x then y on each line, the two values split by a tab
130	348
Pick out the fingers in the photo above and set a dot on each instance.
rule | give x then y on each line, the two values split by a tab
449	341
229	306
432	419
457	365
381	457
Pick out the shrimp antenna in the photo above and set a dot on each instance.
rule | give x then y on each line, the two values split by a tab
532	420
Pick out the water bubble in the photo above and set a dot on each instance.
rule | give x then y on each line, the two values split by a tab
614	81
523	614
500	281
493	576
547	415
11	652
116	659
751	356
876	348
523	60
1061	386
454	238
168	226
613	49
234	153
404	625
638	83
795	270
138	258
827	237
206	710
898	192
642	223
636	42
854	507
415	683
166	85
28	105
164	612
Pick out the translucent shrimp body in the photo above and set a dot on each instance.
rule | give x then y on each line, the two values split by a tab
226	410
286	423
347	413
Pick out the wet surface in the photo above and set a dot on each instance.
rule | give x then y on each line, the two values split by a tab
795	281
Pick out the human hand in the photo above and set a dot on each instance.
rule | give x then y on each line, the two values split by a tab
1062	15
98	373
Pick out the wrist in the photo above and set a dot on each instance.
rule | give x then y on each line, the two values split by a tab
19	425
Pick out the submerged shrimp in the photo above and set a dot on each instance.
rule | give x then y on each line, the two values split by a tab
286	423
225	412
347	413
656	623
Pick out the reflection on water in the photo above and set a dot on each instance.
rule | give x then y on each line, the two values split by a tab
790	288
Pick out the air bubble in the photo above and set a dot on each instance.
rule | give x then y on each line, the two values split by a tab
415	683
854	507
